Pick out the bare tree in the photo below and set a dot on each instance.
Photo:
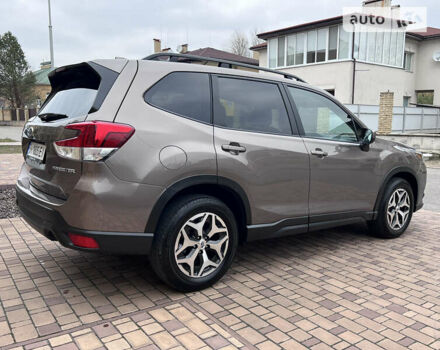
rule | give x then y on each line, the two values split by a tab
255	40
239	44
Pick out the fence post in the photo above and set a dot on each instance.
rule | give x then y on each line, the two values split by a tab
404	119
421	120
438	120
386	113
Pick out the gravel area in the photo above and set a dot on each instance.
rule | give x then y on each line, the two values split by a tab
8	208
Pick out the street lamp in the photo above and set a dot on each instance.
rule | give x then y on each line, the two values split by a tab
52	64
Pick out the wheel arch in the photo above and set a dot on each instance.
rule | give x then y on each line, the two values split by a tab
231	193
402	172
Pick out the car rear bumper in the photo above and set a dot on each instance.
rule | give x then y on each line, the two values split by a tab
50	224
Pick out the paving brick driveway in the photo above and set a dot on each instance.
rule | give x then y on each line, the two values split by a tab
338	288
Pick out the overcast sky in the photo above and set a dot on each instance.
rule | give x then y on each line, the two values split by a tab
85	30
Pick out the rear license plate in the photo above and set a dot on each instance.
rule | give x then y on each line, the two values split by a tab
36	151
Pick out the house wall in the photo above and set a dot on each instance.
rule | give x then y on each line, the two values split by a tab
370	80
328	76
263	58
373	79
41	92
427	70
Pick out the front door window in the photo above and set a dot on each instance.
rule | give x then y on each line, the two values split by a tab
322	118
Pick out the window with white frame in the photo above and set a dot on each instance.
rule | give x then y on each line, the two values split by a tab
334	43
407	61
272	50
380	47
300	48
314	46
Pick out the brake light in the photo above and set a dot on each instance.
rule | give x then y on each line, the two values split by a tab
83	241
95	140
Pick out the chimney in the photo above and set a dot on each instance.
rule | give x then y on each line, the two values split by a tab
184	48
376	3
157	45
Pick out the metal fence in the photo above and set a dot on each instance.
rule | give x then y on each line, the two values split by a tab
17	114
405	119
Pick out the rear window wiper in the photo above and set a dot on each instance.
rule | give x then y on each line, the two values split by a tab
51	116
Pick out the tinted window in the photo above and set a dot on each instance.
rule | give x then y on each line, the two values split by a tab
71	102
75	90
186	94
250	105
321	117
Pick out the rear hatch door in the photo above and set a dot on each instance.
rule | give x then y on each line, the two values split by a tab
77	90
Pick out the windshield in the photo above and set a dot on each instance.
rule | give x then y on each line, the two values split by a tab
72	102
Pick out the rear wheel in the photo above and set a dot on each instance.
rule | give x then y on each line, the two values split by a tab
195	242
395	210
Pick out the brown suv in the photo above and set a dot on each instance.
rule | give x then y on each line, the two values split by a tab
185	161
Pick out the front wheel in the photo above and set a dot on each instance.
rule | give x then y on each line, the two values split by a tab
395	210
195	242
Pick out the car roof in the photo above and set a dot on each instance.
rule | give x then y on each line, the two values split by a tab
206	68
166	67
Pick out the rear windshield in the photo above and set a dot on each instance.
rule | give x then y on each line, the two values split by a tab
78	90
72	102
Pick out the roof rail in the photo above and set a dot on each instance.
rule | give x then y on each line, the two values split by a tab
184	58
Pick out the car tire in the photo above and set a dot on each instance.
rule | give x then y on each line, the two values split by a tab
395	210
195	242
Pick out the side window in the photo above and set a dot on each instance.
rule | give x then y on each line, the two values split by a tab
251	106
183	93
322	118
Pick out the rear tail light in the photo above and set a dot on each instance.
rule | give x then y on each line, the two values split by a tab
83	241
95	140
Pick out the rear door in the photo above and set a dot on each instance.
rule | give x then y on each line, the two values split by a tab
77	91
259	149
343	180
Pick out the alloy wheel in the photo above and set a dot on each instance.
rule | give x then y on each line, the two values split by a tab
201	245
398	210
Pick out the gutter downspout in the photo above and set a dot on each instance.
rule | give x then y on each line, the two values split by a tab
354	70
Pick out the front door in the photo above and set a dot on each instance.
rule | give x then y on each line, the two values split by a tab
257	148
343	180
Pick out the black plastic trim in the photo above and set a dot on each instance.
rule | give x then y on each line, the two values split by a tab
366	215
51	225
293	226
387	179
108	78
280	228
184	184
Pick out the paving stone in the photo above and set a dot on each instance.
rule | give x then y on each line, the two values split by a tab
340	288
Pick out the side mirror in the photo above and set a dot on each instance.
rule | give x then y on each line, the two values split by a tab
368	138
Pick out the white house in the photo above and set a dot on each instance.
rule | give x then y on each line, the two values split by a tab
356	67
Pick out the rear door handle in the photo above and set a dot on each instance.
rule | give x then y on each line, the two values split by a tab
234	148
319	153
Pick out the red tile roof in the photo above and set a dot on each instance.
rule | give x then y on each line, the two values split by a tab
321	22
224	55
430	32
259	46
